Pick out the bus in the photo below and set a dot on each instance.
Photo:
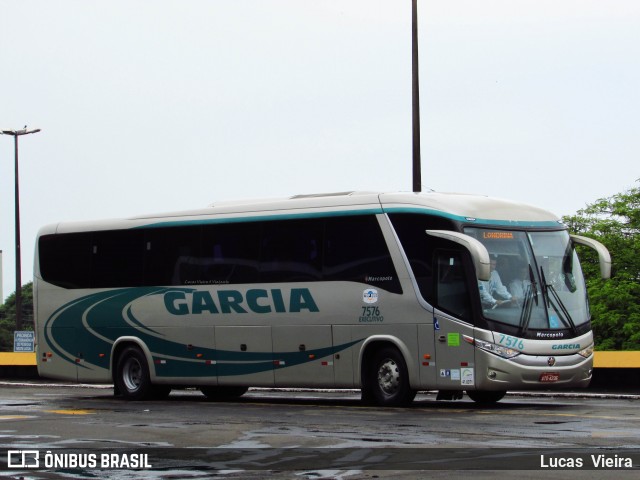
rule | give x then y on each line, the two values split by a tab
382	292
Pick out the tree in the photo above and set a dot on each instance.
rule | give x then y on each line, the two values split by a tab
615	303
8	317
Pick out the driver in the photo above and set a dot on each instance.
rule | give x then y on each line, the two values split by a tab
493	292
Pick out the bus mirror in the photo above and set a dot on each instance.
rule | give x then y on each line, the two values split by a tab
603	254
478	251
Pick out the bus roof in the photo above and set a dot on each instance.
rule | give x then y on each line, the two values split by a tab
462	207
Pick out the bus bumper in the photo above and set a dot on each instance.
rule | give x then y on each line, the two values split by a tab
532	372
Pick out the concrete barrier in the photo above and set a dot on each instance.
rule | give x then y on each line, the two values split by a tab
18	365
616	360
20	359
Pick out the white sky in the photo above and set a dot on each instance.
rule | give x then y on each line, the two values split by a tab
159	105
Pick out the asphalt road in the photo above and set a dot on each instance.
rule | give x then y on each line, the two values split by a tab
314	434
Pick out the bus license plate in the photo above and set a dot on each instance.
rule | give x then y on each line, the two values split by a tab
549	377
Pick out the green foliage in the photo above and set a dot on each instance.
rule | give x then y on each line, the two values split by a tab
8	317
615	303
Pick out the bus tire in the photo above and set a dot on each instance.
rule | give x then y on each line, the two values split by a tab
485	396
388	382
223	393
132	375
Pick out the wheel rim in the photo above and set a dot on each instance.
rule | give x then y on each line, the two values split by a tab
389	376
132	374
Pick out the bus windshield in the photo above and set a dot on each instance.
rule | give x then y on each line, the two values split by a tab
536	281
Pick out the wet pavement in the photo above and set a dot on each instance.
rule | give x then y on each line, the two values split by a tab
315	434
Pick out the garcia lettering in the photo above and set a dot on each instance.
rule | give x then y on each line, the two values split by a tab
233	301
569	346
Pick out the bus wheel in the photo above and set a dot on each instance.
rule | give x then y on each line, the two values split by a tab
132	375
388	381
223	393
480	396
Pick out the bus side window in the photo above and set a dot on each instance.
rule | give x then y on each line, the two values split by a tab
419	247
356	251
65	259
230	253
117	258
451	287
290	251
171	255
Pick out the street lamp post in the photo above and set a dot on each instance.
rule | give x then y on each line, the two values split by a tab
417	174
16	134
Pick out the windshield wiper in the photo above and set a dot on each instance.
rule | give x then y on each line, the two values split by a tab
532	279
527	306
531	294
559	307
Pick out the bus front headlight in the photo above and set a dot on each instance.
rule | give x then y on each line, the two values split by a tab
586	352
499	350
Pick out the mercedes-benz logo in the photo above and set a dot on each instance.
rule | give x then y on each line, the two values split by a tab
551	361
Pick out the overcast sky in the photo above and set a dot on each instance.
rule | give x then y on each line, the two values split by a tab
151	106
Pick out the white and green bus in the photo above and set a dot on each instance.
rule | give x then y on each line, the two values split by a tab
383	292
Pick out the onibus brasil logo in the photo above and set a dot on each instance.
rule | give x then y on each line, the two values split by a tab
52	459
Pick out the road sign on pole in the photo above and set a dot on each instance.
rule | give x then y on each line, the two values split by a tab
23	341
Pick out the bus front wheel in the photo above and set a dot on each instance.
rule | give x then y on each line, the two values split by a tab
388	379
132	375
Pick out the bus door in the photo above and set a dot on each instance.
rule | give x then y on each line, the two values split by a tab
303	354
452	322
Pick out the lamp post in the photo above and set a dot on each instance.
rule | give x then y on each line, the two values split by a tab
417	175
16	134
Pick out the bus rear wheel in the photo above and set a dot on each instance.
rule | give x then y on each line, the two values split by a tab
388	379
485	397
132	375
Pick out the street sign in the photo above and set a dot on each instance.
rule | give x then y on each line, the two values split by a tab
23	341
